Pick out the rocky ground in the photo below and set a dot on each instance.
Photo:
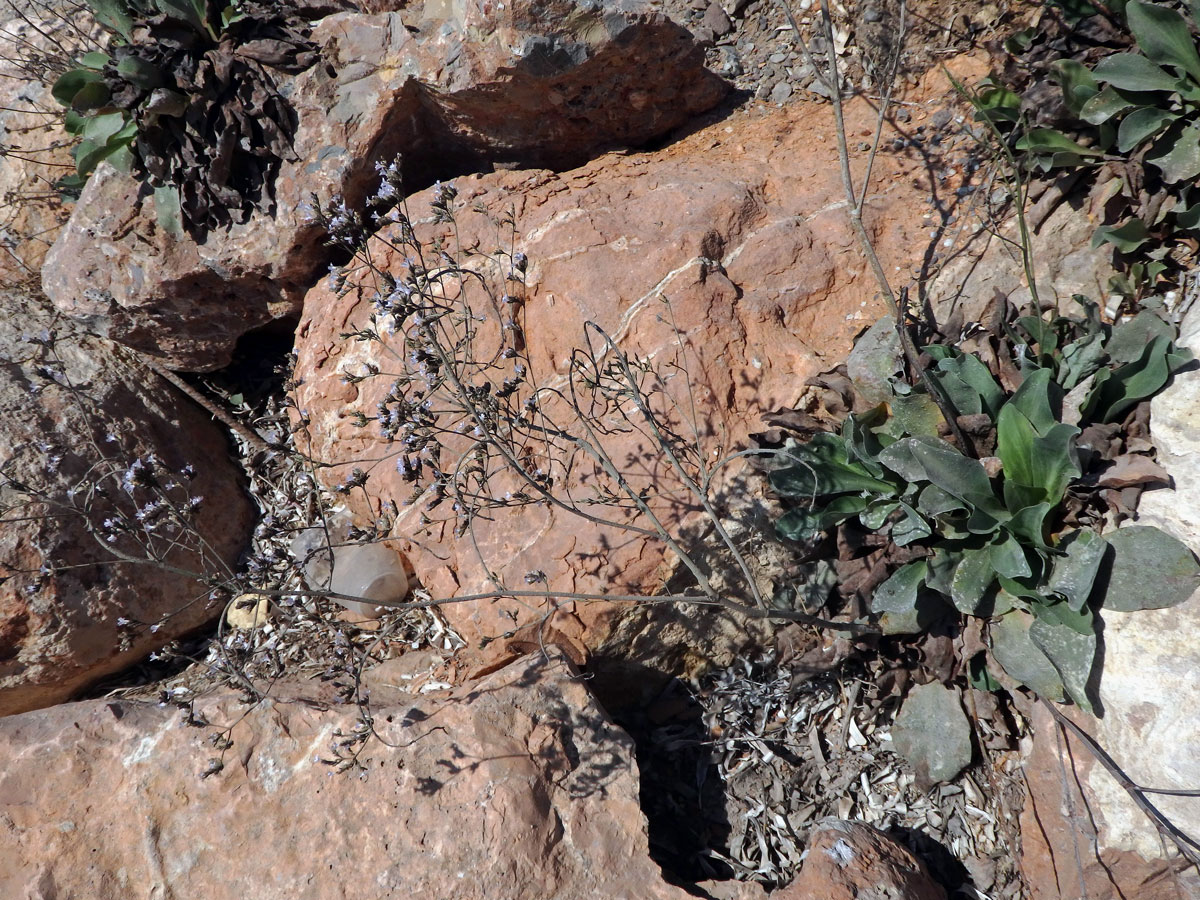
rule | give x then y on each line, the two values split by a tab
662	182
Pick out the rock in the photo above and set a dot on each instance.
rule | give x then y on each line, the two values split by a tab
1064	262
62	595
517	786
1176	436
852	861
1080	832
36	149
248	611
932	732
1151	710
716	20
766	292
542	83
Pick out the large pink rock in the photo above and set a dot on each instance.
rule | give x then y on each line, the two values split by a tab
742	227
514	787
73	419
453	87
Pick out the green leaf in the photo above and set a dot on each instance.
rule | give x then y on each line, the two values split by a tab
972	578
1075	11
911	528
1021	658
933	501
823	469
1163	35
1080	359
70	83
1081	620
93	95
1126	237
115	14
1048	140
970	384
1036	469
1177	153
101	127
861	442
956	474
1037	398
941	564
1131	383
229	15
120	157
1129	339
1140	125
978	675
809	524
901	606
1104	106
917	413
1150	570
1072	654
70	185
1078	85
75	122
995	103
1073	573
1029	524
876	515
193	12
95	60
140	72
1133	72
87	154
1187	218
1008	558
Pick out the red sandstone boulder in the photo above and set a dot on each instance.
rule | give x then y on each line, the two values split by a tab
534	82
74	417
742	227
514	787
852	861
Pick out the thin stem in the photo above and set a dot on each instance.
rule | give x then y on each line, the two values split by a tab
854	212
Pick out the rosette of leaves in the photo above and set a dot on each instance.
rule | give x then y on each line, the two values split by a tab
992	543
1137	112
186	98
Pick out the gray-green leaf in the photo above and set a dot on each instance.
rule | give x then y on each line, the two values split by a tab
1163	35
1072	654
1073	574
1021	658
1150	570
1133	72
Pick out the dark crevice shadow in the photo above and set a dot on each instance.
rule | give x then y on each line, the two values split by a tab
681	793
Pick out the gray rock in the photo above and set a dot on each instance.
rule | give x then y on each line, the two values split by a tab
780	93
932	732
716	20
